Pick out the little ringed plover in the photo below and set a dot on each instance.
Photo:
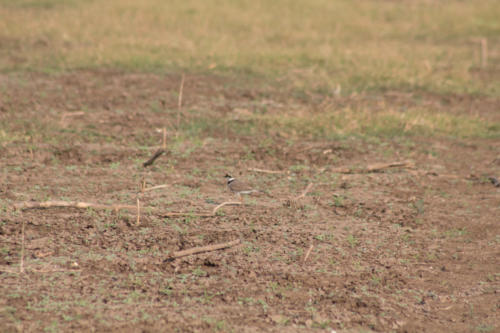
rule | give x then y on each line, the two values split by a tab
238	187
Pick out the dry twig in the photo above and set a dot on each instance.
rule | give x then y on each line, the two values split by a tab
381	166
313	146
304	193
151	160
294	201
266	171
164	142
176	214
308	253
70	114
36	270
484	52
227	203
155	188
373	167
74	204
21	265
138	222
179	103
208	214
202	249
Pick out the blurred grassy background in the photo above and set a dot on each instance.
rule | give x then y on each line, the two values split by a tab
320	44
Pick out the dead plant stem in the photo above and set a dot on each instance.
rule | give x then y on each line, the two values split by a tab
179	104
21	265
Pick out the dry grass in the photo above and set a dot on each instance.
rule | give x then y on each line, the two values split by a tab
360	45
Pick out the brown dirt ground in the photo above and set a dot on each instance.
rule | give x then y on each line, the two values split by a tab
405	250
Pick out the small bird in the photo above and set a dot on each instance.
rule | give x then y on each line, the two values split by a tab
238	187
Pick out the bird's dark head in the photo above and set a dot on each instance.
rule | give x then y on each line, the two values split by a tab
227	176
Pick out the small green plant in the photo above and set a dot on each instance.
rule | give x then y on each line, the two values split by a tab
167	290
250	248
375	280
206	298
246	300
310	308
359	212
71	318
263	304
114	165
338	200
53	327
455	233
198	272
132	297
298	168
484	328
419	206
324	237
322	324
272	287
353	241
217	325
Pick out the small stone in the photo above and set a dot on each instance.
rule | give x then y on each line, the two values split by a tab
278	319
